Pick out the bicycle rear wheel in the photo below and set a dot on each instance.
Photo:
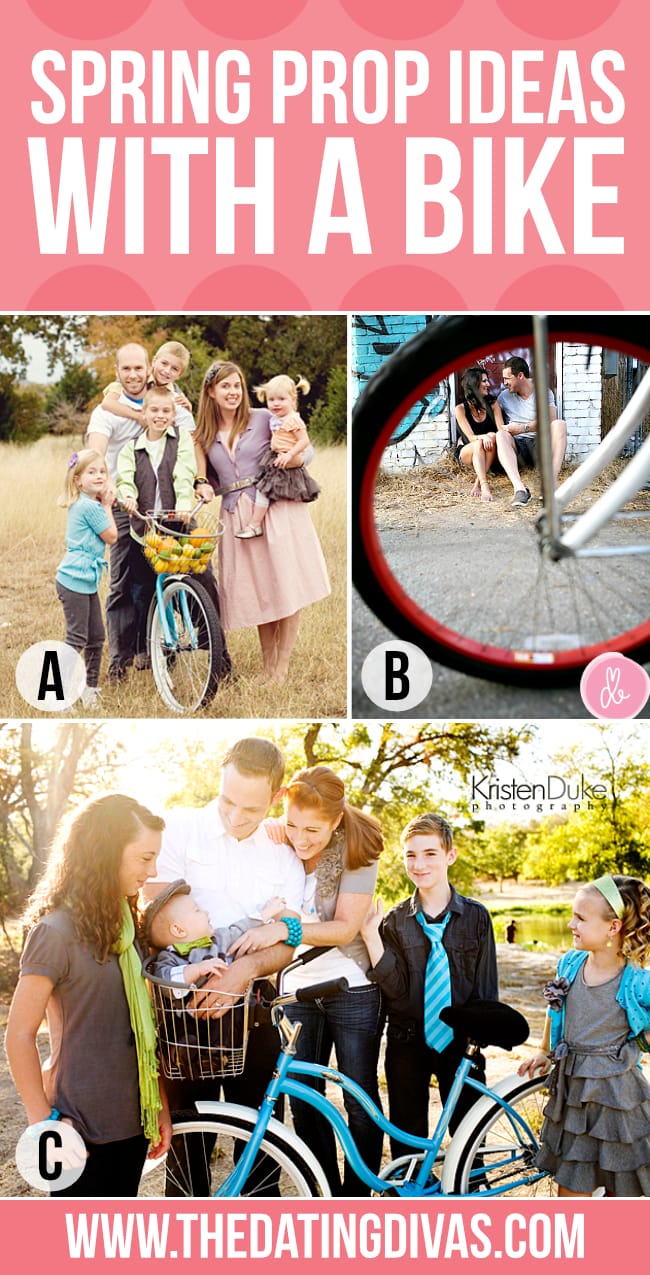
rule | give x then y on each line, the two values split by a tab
491	1152
525	619
211	1145
186	669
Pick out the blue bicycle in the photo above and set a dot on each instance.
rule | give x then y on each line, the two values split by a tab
236	1151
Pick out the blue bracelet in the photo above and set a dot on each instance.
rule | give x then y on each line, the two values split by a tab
294	928
54	1114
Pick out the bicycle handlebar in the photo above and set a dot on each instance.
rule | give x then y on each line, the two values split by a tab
320	991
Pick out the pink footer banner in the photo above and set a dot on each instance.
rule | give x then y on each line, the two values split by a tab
56	1234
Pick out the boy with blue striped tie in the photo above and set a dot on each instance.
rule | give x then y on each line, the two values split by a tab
436	948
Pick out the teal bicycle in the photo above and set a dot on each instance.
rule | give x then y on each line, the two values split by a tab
236	1151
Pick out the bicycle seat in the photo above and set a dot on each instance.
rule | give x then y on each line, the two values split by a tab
487	1023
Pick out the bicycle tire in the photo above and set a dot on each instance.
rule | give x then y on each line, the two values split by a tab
186	674
457	634
298	1175
486	1135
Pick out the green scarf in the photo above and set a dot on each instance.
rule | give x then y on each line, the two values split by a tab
184	949
142	1024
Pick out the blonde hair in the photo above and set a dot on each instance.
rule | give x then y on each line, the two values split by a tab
208	416
292	388
77	464
177	351
157	391
635	921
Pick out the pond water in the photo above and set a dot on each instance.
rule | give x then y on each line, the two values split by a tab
552	931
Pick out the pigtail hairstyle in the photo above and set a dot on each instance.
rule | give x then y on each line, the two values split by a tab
318	788
285	384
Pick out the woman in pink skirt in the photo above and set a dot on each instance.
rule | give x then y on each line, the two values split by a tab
264	580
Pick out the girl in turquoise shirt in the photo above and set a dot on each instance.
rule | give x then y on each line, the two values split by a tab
91	526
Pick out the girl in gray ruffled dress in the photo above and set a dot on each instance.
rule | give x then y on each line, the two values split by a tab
596	1133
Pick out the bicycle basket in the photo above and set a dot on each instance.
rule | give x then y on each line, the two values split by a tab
176	546
193	1048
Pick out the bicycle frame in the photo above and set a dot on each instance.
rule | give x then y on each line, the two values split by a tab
420	1185
167	615
573	542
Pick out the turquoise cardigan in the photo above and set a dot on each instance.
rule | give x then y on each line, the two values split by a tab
633	995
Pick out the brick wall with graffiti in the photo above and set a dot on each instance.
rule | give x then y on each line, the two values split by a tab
424	433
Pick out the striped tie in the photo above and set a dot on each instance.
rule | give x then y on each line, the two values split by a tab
437	985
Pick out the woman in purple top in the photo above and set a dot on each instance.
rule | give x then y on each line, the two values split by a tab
263	581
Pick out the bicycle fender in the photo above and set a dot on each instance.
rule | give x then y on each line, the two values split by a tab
504	1088
208	1107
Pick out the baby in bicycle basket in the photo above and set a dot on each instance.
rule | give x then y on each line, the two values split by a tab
187	948
186	952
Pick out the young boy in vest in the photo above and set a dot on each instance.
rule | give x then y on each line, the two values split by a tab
435	948
154	471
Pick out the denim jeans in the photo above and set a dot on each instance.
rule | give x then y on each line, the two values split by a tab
351	1022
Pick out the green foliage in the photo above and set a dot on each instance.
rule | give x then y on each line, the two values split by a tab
499	851
328	422
22	418
78	386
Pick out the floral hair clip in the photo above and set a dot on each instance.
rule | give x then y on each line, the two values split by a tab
73	460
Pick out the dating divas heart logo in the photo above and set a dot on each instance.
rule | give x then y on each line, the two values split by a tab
614	687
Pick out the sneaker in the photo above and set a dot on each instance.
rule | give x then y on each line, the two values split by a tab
117	672
521	497
91	696
248	533
142	661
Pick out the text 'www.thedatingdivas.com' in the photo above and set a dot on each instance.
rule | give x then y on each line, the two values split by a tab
211	1236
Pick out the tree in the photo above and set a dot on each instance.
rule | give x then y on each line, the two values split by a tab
499	851
329	419
38	785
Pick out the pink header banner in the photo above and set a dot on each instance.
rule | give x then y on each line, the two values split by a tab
63	1235
182	155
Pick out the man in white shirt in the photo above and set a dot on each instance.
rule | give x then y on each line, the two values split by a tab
516	441
233	867
107	434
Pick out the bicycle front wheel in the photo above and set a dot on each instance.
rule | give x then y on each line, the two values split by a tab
186	660
491	1152
470	583
205	1150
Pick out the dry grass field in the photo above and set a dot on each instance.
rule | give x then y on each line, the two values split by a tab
33	539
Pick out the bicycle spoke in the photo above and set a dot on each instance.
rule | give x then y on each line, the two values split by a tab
185	646
204	1152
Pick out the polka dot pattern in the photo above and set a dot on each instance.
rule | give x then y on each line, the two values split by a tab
250	21
401	21
559	288
249	288
557	20
90	288
402	288
83	21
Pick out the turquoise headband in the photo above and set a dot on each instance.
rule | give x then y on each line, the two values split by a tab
610	891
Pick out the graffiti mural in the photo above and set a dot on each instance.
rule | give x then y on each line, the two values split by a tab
374	338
